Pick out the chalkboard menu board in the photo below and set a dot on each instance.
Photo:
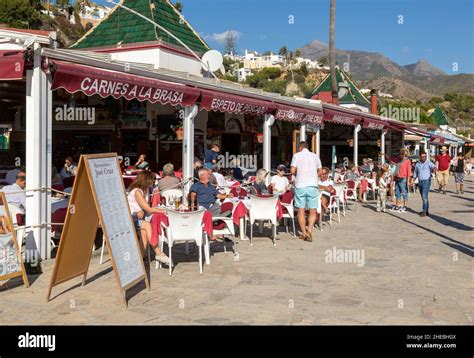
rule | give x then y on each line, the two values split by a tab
98	198
10	255
115	213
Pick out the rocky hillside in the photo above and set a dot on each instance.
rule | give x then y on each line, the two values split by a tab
367	66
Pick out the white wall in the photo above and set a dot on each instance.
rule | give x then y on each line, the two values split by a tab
160	58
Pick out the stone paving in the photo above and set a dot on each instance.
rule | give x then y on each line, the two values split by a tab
415	271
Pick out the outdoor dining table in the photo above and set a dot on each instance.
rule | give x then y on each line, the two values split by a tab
240	212
158	219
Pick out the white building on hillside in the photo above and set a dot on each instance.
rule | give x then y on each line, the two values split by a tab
252	60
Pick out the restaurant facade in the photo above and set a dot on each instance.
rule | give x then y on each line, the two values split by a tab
73	102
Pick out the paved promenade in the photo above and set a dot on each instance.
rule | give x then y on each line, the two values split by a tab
406	270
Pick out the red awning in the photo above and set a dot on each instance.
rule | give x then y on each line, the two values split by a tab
340	117
73	77
12	64
374	124
224	102
295	114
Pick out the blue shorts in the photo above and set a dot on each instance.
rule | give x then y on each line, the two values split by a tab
401	189
307	197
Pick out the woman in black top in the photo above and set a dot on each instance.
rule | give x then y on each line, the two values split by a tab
459	169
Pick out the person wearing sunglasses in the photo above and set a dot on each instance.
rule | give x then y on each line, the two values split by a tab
15	193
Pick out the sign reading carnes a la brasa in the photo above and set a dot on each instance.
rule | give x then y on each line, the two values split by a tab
116	84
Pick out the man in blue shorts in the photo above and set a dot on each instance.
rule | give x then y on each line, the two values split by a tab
305	166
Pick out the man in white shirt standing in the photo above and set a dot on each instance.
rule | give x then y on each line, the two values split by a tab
18	195
306	167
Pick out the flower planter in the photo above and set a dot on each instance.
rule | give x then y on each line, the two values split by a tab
179	133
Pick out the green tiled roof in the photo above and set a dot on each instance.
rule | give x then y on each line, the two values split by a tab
353	96
123	26
440	117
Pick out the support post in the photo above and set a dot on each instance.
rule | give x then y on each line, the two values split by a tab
302	132
357	129
38	157
267	143
318	141
382	146
190	113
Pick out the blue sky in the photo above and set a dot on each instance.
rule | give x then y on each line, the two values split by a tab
439	31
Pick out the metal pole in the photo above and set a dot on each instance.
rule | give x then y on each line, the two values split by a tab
382	146
357	129
267	143
188	146
303	132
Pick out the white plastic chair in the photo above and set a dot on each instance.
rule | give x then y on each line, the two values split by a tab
372	188
351	193
261	209
335	203
184	227
170	194
228	229
290	214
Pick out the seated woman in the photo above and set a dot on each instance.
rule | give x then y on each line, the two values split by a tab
168	180
142	164
327	186
259	183
280	182
139	207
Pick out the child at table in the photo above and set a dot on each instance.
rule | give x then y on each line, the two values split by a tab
382	181
139	207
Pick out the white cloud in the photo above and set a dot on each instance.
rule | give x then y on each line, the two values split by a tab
220	37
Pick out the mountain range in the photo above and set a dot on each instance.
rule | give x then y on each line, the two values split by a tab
420	80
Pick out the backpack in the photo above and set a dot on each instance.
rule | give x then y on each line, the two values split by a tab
397	167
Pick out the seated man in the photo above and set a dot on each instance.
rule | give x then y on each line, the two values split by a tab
205	194
327	186
17	196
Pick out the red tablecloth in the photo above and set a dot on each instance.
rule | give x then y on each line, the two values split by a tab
159	218
241	211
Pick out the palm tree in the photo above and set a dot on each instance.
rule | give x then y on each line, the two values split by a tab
332	64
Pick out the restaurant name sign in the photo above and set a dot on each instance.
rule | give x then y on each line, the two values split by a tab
374	125
223	105
93	81
223	102
298	116
107	88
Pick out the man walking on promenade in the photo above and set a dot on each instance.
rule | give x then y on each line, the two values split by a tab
443	161
423	170
402	181
306	167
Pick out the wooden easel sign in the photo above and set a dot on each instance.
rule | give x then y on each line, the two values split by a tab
11	264
98	196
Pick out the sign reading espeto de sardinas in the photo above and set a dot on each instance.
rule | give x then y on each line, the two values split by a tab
91	81
224	102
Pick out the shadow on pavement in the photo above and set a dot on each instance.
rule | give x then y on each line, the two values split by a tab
455	242
448	222
460	248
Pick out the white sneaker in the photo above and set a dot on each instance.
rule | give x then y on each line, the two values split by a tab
163	259
402	209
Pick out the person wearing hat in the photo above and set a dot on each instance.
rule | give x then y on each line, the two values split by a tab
279	182
443	161
121	164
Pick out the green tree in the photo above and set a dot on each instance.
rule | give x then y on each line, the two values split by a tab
230	43
178	5
18	13
298	53
62	3
283	51
304	69
323	61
